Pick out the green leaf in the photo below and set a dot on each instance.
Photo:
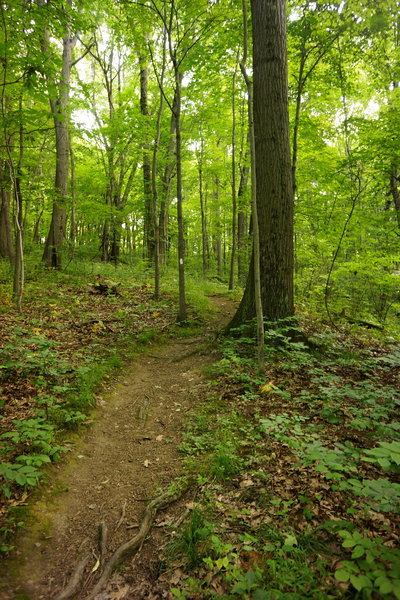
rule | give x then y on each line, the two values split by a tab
349	543
386	587
358	552
20	479
396	589
360	582
290	541
342	575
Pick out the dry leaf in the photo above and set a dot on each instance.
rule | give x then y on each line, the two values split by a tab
96	566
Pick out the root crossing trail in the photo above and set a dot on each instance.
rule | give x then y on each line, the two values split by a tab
97	497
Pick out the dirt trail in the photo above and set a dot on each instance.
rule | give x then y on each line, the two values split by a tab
126	456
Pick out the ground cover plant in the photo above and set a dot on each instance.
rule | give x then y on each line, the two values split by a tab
299	474
56	356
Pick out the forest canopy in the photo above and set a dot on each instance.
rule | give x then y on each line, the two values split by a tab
125	138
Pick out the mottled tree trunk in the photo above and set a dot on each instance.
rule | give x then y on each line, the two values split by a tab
242	236
273	165
148	227
166	186
59	109
394	190
182	314
6	244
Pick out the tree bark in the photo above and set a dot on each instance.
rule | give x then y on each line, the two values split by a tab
59	109
233	184
204	237
273	166
242	237
182	314
147	181
6	244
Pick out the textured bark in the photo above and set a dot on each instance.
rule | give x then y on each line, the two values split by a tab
204	236
273	165
233	183
149	241
166	186
218	228
242	237
59	109
394	190
182	314
6	244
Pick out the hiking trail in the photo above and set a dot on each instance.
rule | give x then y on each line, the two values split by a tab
103	485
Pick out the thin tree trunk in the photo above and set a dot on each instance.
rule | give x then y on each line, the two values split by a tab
182	315
170	162
233	183
218	229
19	264
254	208
204	238
6	245
156	225
72	231
147	178
242	237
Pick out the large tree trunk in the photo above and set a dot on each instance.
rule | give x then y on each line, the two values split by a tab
59	109
273	165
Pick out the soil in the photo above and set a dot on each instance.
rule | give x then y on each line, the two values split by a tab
125	458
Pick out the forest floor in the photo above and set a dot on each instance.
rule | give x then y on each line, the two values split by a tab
109	475
285	485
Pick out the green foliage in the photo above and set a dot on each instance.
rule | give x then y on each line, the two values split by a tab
374	567
224	462
384	495
306	444
193	538
22	475
386	455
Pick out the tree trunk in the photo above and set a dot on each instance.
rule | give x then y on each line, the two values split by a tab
394	190
204	238
6	245
273	166
233	183
59	109
182	314
72	229
148	226
242	237
166	185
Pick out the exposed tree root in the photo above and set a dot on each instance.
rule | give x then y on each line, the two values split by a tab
72	586
103	534
135	542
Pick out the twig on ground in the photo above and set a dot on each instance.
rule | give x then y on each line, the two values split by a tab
122	517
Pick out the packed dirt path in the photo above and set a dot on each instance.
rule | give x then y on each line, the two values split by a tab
126	457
